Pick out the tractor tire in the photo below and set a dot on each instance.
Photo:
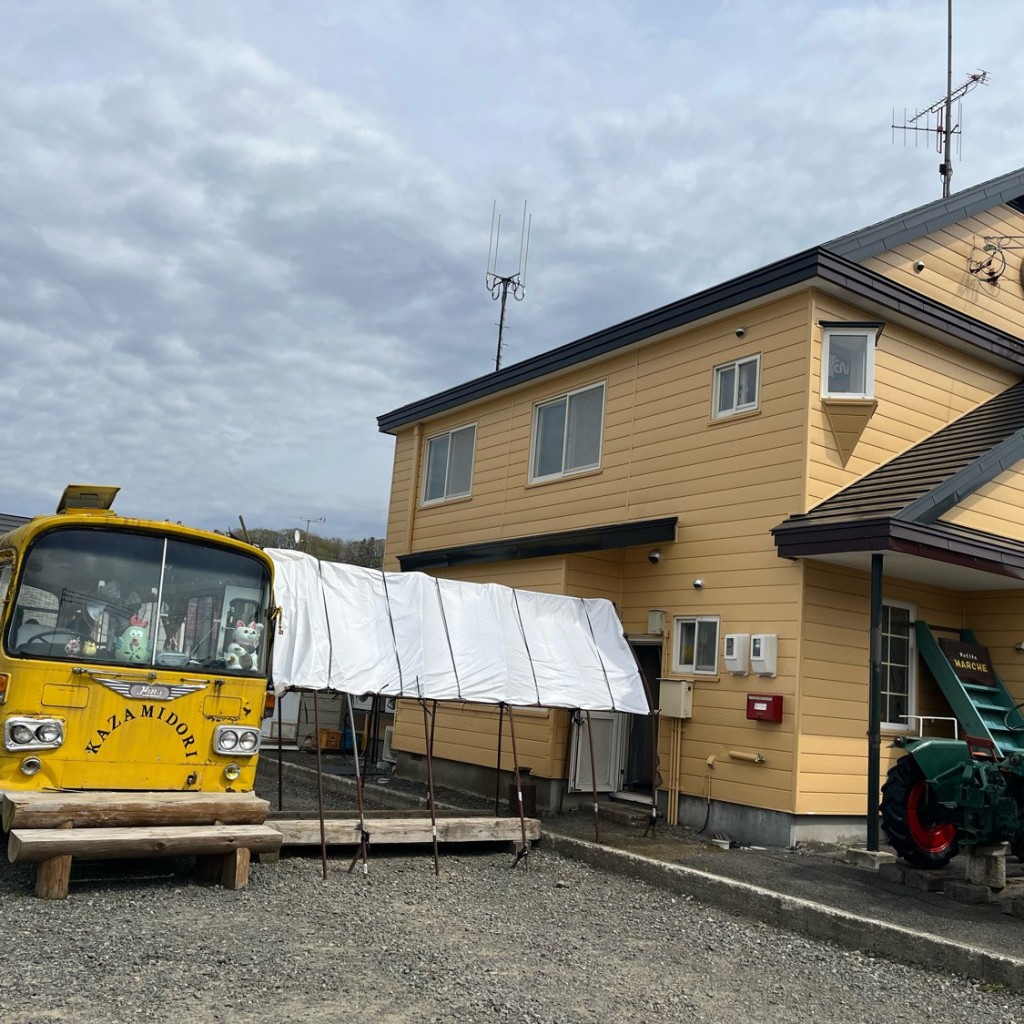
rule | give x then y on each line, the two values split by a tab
909	822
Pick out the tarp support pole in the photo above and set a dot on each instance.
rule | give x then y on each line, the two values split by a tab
652	821
428	739
320	783
280	755
497	763
593	779
364	836
524	853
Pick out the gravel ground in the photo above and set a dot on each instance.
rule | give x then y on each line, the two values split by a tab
558	943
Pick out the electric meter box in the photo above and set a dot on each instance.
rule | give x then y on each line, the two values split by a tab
737	647
763	650
675	698
764	707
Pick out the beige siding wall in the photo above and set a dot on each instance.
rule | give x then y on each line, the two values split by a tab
946	279
997	619
832	716
661	454
994	508
920	386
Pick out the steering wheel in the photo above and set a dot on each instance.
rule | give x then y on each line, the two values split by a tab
1006	718
49	638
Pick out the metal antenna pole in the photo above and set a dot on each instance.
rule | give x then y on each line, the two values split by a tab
944	129
499	285
946	170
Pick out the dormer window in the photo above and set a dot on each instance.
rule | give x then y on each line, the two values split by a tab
848	359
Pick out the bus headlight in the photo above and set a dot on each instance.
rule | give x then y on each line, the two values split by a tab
33	733
232	739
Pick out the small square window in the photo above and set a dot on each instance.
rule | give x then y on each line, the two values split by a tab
695	645
448	471
567	434
848	361
736	386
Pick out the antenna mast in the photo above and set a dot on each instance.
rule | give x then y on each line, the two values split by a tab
307	520
942	109
500	285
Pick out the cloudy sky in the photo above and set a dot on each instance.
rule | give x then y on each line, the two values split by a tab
234	232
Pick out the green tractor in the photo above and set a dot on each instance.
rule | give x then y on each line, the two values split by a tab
944	792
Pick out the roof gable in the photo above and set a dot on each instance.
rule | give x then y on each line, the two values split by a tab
906	227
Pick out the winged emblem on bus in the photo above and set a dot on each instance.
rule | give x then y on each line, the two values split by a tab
148	691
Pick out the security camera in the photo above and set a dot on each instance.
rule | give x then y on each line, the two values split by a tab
698	584
740	331
654	557
918	266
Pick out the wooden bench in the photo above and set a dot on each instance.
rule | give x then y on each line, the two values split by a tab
51	829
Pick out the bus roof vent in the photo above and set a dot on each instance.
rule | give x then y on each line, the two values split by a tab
87	497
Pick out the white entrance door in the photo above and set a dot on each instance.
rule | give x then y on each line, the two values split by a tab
609	731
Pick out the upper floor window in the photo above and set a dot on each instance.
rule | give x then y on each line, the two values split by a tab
449	464
695	644
848	360
736	386
567	433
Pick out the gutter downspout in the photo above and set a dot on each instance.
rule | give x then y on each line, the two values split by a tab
414	482
874	703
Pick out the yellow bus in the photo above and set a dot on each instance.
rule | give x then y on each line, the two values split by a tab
133	653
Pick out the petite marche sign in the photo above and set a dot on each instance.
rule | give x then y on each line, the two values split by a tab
971	662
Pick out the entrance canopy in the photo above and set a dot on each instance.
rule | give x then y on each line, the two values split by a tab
363	631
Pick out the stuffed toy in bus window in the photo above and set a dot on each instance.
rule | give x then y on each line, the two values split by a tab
133	643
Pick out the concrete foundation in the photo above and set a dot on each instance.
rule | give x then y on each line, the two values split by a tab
749	826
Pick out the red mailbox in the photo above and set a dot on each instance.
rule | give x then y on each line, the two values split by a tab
764	707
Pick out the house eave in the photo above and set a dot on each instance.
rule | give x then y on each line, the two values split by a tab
599	538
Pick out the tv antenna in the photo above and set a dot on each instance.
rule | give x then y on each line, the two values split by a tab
500	285
307	520
943	126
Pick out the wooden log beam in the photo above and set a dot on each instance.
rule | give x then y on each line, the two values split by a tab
345	832
118	809
32	846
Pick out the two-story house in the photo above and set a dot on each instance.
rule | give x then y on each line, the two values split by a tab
746	473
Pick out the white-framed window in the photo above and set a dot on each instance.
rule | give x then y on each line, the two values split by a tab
736	386
899	664
567	433
848	360
448	466
695	644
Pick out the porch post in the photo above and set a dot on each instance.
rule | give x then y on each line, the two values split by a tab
875	702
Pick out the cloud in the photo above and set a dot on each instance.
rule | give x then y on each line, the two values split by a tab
232	235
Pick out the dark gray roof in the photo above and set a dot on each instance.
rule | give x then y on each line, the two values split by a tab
9	522
936	474
905	227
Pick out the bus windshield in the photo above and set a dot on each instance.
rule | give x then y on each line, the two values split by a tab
119	597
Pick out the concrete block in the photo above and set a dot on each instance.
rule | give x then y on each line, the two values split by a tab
873	859
986	865
926	881
894	872
966	892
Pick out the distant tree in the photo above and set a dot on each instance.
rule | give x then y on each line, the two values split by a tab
368	552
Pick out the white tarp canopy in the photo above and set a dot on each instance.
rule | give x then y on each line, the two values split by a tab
363	631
